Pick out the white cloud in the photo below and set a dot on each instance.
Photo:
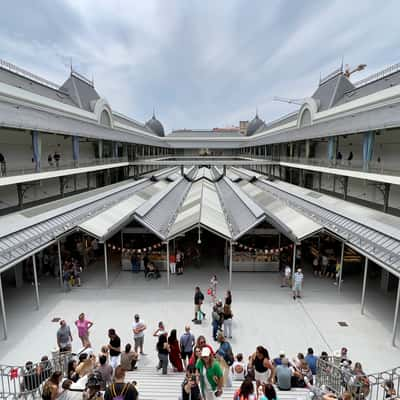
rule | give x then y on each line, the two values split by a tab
201	64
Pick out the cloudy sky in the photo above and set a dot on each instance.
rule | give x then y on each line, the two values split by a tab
200	63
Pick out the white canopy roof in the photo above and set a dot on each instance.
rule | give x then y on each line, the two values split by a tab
201	207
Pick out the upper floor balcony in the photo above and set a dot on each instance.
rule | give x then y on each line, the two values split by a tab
373	166
61	165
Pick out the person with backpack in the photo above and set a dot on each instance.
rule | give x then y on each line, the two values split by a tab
119	390
186	342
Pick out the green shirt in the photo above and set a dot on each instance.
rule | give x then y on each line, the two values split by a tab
214	371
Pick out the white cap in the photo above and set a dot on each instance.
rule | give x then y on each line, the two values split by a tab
205	352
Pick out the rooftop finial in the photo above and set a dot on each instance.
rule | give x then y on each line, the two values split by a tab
154	112
257	112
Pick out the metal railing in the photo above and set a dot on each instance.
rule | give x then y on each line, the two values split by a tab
378	75
331	75
53	166
20	71
27	381
337	377
378	167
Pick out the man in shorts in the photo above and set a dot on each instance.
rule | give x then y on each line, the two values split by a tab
138	328
186	342
64	337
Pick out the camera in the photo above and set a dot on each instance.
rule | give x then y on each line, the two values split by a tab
193	378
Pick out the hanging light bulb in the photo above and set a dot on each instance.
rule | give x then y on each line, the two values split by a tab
199	239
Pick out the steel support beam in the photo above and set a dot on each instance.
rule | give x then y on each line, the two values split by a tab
35	278
396	315
167	262
364	285
106	262
293	262
230	265
319	181
3	310
386	197
341	268
60	268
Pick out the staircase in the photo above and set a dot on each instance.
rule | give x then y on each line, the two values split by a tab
152	385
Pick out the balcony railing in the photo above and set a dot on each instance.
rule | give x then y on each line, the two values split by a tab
377	167
5	171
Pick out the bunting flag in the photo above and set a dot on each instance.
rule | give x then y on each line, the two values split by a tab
14	373
239	246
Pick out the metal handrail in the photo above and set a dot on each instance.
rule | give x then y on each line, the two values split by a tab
378	75
22	72
326	78
69	164
378	167
337	377
27	381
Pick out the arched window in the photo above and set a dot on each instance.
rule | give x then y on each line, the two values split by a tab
305	118
105	118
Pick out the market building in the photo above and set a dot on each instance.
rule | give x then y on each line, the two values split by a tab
323	180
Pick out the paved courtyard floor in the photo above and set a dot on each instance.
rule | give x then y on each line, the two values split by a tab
264	313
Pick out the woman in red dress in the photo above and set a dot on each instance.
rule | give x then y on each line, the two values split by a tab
175	351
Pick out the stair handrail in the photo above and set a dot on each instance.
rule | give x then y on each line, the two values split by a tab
336	376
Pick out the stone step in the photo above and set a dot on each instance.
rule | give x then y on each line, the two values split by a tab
151	384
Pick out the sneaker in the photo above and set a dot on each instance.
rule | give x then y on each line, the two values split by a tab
143	354
134	368
194	319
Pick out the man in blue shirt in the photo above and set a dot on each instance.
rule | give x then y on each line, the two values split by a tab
311	360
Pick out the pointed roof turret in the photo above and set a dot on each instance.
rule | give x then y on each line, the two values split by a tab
155	125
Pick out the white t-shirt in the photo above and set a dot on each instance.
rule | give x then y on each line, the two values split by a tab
136	325
238	369
298	277
287	271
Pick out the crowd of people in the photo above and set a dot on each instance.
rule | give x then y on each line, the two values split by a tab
207	368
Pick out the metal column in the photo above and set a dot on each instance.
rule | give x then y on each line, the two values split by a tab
167	262
396	314
60	271
230	265
293	262
3	310
341	268
386	197
364	285
106	262
36	282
